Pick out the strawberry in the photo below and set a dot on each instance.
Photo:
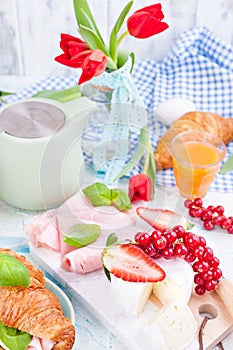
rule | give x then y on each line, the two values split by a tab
161	219
130	263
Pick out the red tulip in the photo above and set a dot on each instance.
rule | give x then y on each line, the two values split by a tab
146	22
73	49
140	188
93	64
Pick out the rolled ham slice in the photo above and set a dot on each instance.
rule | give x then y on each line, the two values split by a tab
82	260
40	344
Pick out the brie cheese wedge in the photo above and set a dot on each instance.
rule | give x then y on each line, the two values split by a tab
176	323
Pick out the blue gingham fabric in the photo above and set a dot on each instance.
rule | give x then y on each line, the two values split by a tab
198	68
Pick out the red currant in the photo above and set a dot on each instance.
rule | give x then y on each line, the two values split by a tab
160	242
142	238
188	203
217	274
208	254
214	262
151	250
200	266
179	230
167	252
230	230
226	223
190	258
210	285
219	209
170	235
191	239
198	279
199	251
197	202
208	225
180	250
200	290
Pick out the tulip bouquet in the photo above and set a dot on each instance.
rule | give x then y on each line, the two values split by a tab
98	60
92	54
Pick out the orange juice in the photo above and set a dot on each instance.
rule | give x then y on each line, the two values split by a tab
195	165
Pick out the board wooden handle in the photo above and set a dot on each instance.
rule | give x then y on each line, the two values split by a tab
224	290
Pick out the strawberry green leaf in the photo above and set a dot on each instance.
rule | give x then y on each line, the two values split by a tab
13	338
227	166
116	29
85	18
13	272
61	95
112	239
107	273
98	194
81	235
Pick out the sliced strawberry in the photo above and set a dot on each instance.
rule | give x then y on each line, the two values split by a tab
130	263
161	219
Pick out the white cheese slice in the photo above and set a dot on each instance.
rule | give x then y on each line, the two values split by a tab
131	296
177	325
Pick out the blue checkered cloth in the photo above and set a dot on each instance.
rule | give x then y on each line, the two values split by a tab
198	68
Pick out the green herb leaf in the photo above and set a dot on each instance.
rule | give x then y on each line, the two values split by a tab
98	194
121	200
112	239
116	29
142	146
92	40
61	95
13	338
85	18
227	166
13	272
81	235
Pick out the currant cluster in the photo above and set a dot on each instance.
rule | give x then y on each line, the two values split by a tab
211	216
176	242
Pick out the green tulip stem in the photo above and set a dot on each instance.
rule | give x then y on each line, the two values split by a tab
123	35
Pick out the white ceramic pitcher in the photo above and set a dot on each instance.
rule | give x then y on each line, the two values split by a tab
39	173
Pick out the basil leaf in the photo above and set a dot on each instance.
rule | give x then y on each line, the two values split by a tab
80	235
112	239
116	29
227	166
121	200
98	194
13	272
13	338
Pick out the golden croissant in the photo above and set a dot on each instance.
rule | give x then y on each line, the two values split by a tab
203	121
35	310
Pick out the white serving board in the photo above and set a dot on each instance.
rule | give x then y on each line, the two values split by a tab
93	291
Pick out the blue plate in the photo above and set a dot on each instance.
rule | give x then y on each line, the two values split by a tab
64	300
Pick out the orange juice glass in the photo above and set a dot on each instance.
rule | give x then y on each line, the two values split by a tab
197	157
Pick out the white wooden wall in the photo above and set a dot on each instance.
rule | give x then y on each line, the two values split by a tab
30	30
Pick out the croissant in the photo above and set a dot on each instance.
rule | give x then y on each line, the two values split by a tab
36	276
203	121
35	310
